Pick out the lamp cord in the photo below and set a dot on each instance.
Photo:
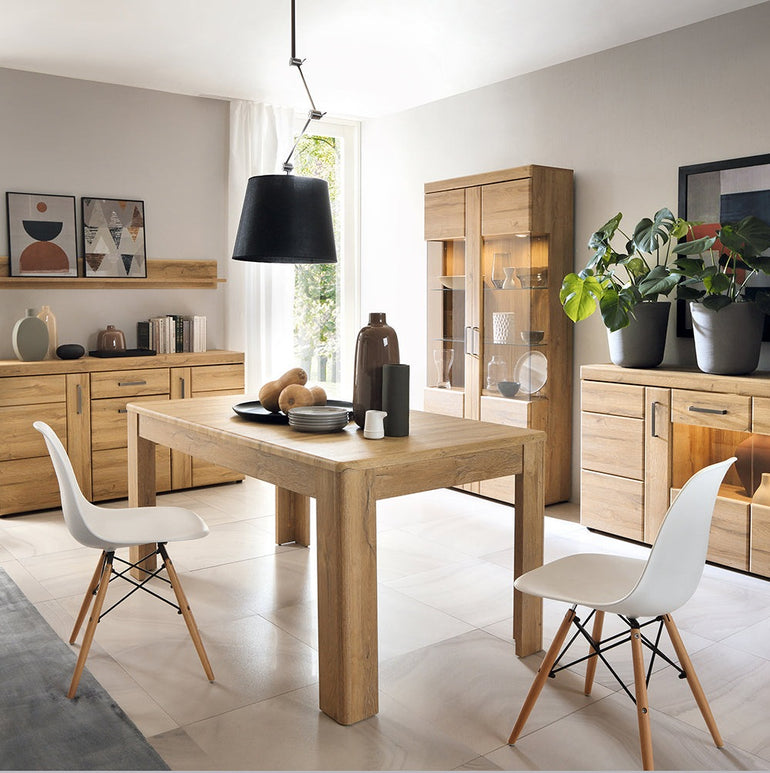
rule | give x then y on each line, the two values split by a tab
314	113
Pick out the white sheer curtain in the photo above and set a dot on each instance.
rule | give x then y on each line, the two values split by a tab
259	296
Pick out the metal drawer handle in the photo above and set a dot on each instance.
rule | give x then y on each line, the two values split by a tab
696	409
122	410
131	383
653	406
79	390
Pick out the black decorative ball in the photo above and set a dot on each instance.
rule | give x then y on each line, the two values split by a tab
70	351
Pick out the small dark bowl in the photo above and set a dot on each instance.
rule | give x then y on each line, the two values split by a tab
70	351
508	388
532	336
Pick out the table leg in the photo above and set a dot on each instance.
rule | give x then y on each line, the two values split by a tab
292	517
347	596
528	547
141	489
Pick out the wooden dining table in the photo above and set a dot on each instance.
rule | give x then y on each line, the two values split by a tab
346	474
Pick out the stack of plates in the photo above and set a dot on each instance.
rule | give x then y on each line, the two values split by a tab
318	418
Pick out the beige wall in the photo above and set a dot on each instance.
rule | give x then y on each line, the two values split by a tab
59	135
624	120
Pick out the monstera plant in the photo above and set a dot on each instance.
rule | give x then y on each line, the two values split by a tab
624	281
618	278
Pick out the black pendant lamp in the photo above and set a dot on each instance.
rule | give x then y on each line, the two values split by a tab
286	218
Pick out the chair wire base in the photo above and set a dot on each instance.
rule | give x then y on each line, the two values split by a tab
138	585
598	648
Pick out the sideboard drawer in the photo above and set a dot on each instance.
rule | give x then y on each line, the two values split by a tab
711	409
108	421
28	484
613	444
28	390
110	473
116	383
19	439
612	504
213	378
615	399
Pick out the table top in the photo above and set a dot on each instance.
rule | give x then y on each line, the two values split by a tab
432	436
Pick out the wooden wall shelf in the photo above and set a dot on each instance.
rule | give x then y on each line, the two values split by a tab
163	274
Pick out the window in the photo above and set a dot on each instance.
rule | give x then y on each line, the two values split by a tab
326	296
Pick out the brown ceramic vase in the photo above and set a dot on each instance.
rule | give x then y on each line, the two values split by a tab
376	345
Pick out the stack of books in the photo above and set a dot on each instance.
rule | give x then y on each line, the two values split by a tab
172	333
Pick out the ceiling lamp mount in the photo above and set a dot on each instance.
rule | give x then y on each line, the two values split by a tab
287	219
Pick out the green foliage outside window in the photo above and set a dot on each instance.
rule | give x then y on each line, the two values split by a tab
316	287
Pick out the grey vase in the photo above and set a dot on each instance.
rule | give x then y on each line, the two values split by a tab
642	343
728	341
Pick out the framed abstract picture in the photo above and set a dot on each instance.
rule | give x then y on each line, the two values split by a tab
113	238
41	234
723	192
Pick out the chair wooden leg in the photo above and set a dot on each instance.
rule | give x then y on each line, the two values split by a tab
92	586
596	635
93	621
692	679
186	613
642	705
542	675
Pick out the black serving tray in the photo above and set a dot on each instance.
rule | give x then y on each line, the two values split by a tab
126	353
255	411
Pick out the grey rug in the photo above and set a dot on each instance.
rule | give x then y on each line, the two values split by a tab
40	729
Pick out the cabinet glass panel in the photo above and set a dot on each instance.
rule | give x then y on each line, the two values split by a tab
694	447
446	314
515	333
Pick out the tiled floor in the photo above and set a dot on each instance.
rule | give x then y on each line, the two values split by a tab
450	684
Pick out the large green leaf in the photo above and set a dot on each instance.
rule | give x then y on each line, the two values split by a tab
695	246
660	281
605	233
747	237
649	235
614	311
690	267
685	292
635	266
579	296
716	283
716	302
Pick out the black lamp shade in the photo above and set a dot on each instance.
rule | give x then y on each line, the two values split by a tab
286	219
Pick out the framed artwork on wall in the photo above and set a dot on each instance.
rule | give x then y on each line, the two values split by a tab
723	192
113	238
41	234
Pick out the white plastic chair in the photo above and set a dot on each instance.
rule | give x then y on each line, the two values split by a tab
633	588
109	529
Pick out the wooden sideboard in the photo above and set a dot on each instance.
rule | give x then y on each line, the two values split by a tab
645	432
84	401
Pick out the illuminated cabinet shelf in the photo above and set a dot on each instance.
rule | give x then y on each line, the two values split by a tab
498	246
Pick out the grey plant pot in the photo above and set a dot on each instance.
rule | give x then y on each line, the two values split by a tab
642	343
727	341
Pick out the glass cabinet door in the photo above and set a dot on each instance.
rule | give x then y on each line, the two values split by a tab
446	314
515	337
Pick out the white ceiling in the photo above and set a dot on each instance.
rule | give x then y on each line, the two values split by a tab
364	57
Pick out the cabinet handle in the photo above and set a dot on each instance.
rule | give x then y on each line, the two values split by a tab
122	410
466	347
181	382
131	383
476	341
653	408
79	392
696	409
